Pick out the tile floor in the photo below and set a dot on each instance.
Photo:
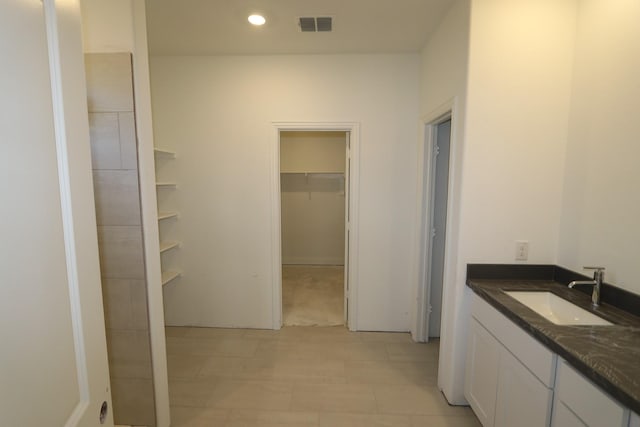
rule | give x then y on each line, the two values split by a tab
305	376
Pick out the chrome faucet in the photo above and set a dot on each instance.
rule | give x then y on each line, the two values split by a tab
598	278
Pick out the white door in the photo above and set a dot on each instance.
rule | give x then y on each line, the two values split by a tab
53	363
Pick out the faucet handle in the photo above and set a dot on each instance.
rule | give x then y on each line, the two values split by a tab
598	273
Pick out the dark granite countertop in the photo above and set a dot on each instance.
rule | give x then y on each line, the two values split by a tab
607	355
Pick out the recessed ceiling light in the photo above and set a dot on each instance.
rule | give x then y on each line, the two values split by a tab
257	19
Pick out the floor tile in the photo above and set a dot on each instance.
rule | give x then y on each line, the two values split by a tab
272	396
191	393
353	398
182	416
305	376
413	399
363	420
249	418
185	366
445	421
385	372
412	352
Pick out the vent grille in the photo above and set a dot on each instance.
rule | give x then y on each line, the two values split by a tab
315	24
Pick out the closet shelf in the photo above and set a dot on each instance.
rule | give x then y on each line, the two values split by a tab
166	184
170	244
170	275
164	153
167	215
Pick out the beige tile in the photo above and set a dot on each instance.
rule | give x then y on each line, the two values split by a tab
105	141
445	421
133	402
318	335
367	351
117	197
412	352
250	418
109	82
186	345
304	371
116	299
363	420
121	254
215	333
128	145
376	372
272	396
386	337
129	354
412	400
220	366
261	334
139	305
182	416
353	398
125	304
191	393
185	366
236	347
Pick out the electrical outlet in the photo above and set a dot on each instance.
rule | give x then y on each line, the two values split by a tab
522	250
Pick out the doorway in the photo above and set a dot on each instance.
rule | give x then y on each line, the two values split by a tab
313	167
435	211
304	186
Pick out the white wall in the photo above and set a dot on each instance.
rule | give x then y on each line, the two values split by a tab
601	208
515	133
217	113
444	79
313	205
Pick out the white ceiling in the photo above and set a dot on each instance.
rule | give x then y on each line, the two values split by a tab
215	27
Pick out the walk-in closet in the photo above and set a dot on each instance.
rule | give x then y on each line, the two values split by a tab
312	184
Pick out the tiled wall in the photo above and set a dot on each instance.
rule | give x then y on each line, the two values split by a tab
117	198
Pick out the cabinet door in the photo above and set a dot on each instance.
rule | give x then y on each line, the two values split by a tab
522	400
481	377
594	407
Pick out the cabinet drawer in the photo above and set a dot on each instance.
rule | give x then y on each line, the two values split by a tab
536	357
593	406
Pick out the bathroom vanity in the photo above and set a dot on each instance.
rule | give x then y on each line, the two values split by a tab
525	370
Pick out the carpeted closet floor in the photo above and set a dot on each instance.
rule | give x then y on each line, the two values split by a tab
312	295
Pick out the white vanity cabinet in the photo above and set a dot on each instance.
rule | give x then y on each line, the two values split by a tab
481	379
579	402
509	376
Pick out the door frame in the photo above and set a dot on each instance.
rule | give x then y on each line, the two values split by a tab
353	191
426	182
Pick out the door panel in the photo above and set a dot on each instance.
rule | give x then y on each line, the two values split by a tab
53	366
439	226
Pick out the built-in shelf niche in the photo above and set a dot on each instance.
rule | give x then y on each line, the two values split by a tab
168	245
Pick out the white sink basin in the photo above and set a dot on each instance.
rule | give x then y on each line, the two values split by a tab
555	309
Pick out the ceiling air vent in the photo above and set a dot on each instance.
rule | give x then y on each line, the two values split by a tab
314	25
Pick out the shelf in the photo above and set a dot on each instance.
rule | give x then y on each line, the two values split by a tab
170	275
164	153
166	184
165	246
167	215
